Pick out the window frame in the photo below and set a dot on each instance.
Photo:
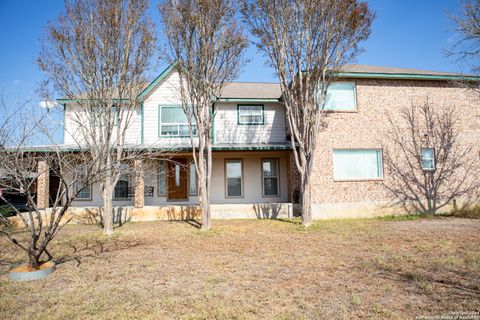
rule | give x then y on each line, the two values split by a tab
164	163
251	123
89	187
114	198
159	120
241	178
277	177
123	177
433	159
355	109
190	163
115	110
381	167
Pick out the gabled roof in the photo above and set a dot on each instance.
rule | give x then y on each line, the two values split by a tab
270	92
251	91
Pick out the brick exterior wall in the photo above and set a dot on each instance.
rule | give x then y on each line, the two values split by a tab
364	128
139	198
42	184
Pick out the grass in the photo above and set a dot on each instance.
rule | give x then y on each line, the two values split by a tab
254	269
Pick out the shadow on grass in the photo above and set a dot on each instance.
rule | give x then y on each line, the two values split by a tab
455	284
94	248
194	223
296	221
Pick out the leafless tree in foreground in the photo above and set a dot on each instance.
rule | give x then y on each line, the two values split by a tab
467	48
20	171
427	164
207	44
306	42
96	54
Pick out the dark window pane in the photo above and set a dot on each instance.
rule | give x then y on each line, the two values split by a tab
121	189
271	186
234	187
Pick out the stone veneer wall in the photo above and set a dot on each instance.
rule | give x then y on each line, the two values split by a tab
43	185
365	128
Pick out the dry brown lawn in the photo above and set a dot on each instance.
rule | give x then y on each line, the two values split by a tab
256	269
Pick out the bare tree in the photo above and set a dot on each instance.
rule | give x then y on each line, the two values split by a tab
306	42
21	168
97	54
207	43
427	164
467	48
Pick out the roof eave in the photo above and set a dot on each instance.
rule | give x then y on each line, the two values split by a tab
249	100
405	76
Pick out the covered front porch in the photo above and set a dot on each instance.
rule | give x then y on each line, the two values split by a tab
245	184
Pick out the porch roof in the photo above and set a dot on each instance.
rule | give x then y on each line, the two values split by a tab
166	148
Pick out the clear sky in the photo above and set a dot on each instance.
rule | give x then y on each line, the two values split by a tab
406	33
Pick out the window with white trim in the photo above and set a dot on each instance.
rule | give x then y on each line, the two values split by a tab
162	178
173	122
340	97
250	114
428	159
234	178
352	164
270	175
86	192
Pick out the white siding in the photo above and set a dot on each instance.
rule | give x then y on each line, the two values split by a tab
227	129
74	116
166	93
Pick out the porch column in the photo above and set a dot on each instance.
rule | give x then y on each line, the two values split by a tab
293	178
139	184
43	184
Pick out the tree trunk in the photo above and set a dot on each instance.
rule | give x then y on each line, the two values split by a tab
107	204
33	261
306	201
205	159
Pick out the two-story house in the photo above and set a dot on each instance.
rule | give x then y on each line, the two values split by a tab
253	172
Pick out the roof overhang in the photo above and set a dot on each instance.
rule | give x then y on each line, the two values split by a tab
405	76
265	100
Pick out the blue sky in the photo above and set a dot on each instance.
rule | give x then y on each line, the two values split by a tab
406	33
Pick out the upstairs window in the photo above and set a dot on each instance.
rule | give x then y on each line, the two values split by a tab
357	164
428	159
173	122
341	96
250	114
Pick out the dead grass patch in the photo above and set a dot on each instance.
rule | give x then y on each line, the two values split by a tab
254	269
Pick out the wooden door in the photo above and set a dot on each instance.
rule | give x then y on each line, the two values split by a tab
177	179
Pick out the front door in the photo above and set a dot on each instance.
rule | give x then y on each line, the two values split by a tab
177	179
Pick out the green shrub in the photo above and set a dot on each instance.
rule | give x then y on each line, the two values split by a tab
6	211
